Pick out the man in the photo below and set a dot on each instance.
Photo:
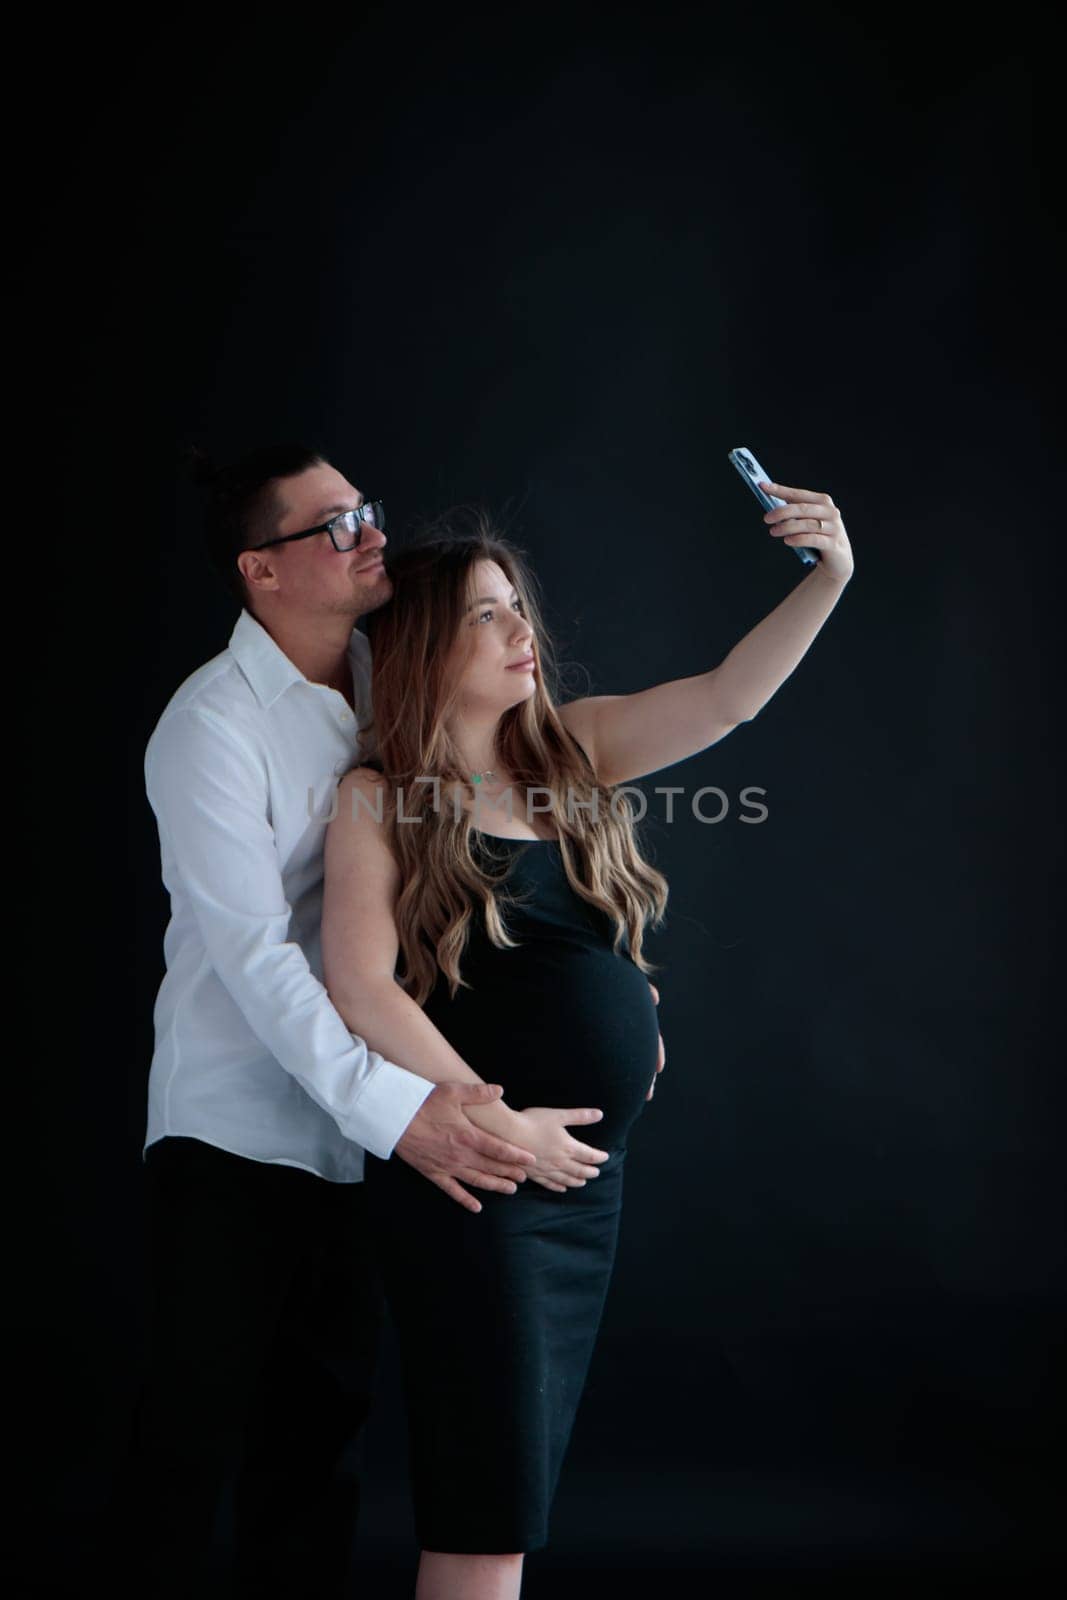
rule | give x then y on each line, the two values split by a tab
265	1306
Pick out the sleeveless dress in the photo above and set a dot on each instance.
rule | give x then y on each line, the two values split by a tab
497	1314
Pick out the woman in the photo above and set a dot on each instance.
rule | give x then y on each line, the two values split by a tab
485	903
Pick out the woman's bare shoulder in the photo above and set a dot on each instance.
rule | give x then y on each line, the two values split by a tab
357	834
361	792
365	778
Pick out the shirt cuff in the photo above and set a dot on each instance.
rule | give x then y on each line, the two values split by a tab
386	1104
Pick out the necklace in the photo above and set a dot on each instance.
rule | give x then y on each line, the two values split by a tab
478	776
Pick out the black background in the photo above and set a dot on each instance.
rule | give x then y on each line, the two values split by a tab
560	262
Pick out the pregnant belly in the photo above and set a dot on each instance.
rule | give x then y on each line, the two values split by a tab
557	1025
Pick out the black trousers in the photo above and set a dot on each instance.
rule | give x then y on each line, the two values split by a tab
264	1315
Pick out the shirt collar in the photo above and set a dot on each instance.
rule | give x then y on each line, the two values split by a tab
265	664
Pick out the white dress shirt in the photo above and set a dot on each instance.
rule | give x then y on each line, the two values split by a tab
250	1055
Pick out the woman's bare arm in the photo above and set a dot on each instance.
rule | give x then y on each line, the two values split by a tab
360	944
627	736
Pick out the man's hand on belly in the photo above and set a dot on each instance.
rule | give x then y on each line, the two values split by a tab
444	1144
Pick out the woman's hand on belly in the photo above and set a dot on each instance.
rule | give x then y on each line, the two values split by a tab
661	1053
563	1162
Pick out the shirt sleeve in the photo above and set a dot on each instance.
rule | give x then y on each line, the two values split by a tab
211	797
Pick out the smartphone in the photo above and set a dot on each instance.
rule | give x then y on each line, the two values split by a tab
753	473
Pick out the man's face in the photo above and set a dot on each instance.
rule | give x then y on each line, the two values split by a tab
309	573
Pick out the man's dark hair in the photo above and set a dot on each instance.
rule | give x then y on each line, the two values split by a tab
243	506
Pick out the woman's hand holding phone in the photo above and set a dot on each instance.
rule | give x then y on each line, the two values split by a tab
804	509
805	519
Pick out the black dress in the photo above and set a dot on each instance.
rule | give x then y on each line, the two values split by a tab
497	1313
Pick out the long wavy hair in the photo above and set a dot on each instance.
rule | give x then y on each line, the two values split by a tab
413	693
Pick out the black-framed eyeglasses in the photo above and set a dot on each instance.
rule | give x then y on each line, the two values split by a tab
345	530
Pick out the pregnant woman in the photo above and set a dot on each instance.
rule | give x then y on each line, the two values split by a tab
484	909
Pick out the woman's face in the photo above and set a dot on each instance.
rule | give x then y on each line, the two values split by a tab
494	652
